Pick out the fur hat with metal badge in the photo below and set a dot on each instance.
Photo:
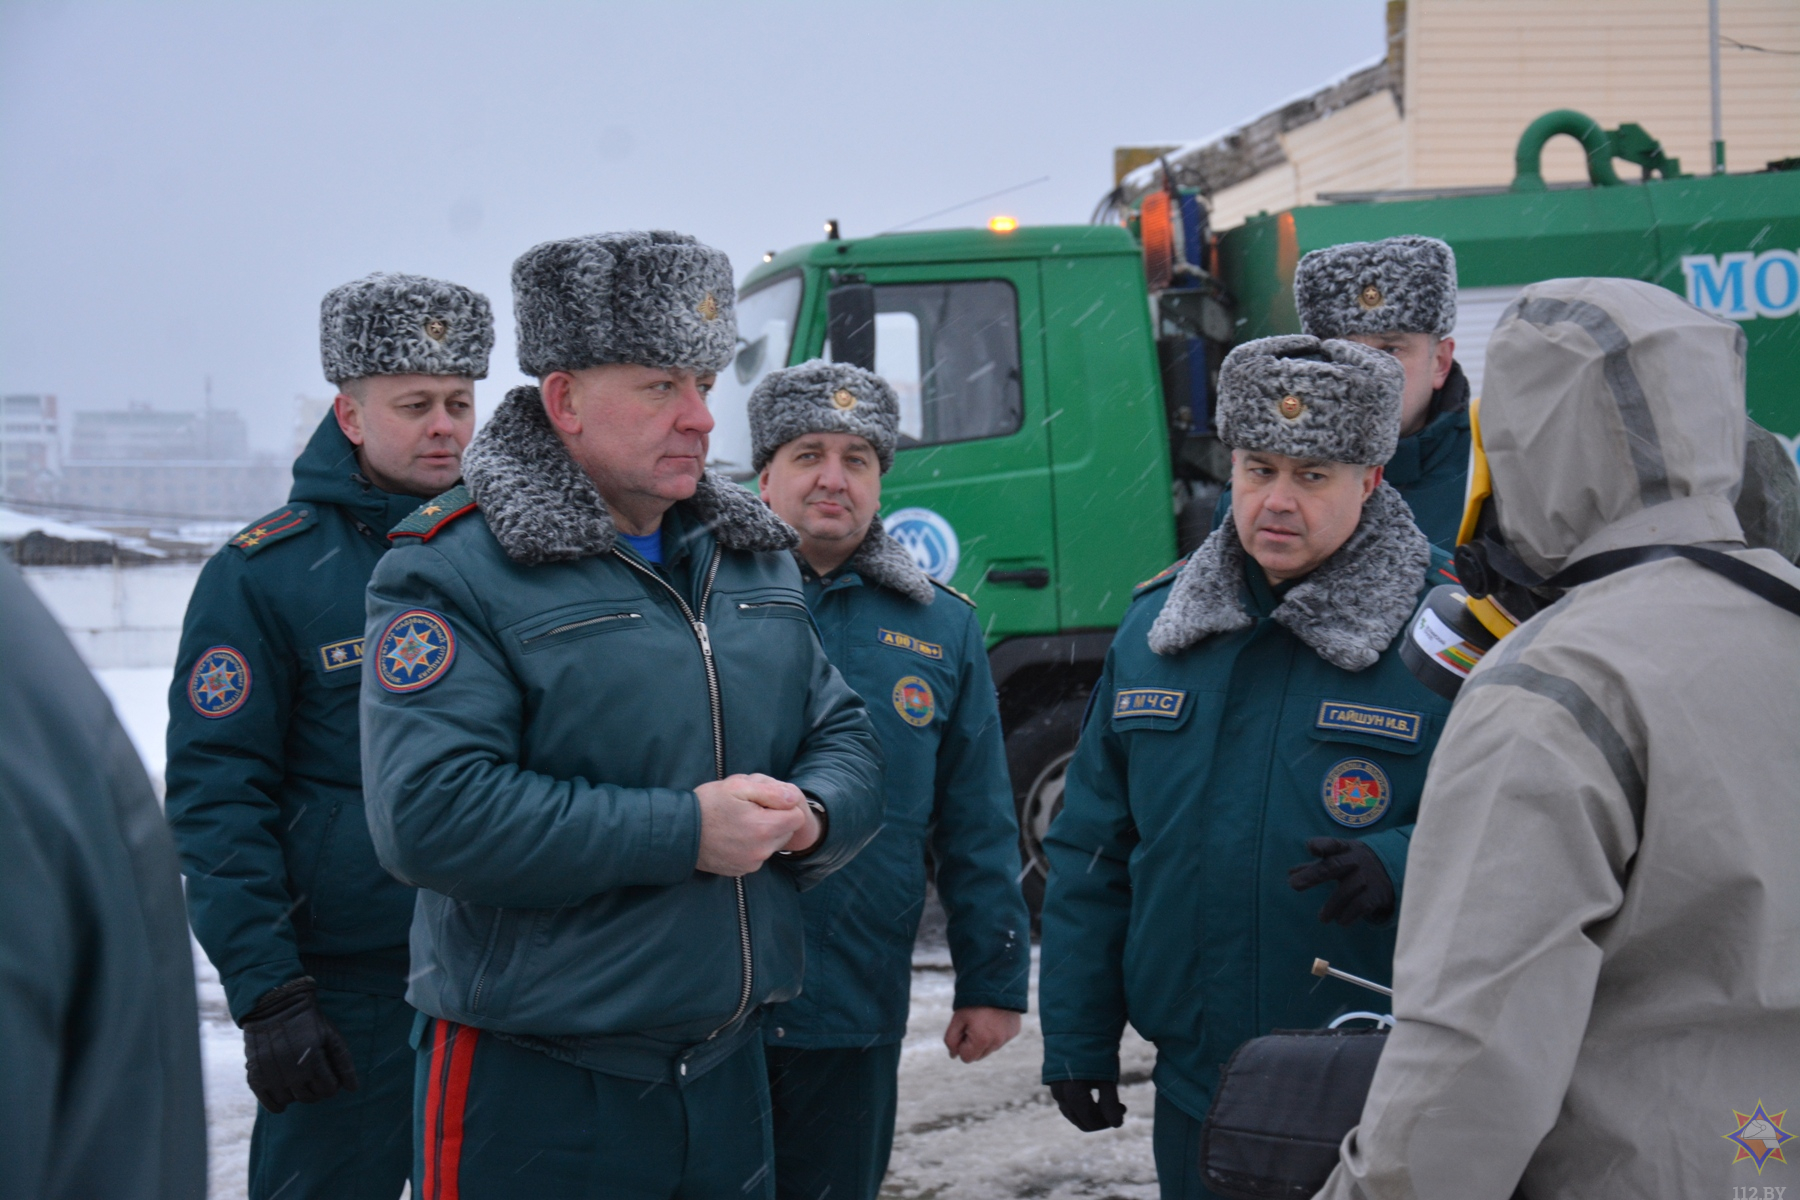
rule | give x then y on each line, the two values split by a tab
823	397
1305	398
387	324
1397	285
656	299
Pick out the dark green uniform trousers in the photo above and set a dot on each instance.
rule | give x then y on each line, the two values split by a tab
496	1120
834	1120
356	1145
1175	1140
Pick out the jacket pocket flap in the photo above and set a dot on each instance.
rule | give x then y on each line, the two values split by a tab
578	621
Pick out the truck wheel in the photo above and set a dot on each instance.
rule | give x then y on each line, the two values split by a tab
1037	754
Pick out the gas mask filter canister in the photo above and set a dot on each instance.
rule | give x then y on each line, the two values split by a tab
1453	629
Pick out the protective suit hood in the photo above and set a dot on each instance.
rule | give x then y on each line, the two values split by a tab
1613	416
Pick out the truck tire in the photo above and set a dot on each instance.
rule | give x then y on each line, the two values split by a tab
1038	751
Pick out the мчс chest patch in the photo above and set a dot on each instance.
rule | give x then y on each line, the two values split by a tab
341	656
906	641
1357	793
1149	702
1395	723
913	701
219	684
414	652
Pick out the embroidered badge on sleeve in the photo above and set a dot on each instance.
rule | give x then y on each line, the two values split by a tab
415	651
219	684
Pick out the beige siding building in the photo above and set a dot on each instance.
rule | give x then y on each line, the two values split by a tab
1463	78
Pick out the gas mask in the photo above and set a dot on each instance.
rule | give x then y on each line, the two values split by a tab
1456	626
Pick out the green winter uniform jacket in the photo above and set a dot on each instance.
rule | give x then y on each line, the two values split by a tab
914	651
1229	726
100	1090
264	780
1430	469
540	703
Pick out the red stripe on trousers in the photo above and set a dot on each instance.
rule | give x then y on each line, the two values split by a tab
434	1097
456	1096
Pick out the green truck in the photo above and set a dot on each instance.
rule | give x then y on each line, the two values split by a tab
1056	439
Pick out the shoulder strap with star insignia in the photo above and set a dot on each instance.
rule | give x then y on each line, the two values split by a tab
429	519
1161	577
278	526
963	596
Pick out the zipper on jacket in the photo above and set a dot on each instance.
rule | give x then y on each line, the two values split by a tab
538	637
754	604
697	622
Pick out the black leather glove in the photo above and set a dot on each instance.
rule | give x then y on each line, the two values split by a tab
1076	1099
292	1054
1364	890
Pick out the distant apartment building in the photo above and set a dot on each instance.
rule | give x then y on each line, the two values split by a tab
309	412
141	465
1461	79
30	448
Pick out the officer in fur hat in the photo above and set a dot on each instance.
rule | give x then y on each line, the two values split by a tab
1253	710
1399	295
604	741
265	790
822	435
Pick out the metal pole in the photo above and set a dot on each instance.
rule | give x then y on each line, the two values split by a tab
1321	968
1718	126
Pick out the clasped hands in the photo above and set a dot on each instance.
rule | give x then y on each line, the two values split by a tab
746	818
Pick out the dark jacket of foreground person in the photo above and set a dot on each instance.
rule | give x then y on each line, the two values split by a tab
99	1036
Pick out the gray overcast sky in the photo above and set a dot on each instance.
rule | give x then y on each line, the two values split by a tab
180	183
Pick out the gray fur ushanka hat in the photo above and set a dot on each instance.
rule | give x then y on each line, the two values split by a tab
387	324
1397	285
1306	398
822	397
656	299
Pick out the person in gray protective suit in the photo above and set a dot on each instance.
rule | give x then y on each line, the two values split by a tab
1596	979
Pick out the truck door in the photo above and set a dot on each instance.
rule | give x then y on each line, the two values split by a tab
969	492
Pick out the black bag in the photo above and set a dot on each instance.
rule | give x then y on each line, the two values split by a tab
1284	1104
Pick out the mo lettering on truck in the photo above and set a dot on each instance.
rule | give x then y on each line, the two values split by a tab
1743	285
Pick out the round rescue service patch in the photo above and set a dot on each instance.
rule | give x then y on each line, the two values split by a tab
219	683
913	700
1356	793
415	650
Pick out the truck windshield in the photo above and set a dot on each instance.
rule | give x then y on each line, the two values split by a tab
765	320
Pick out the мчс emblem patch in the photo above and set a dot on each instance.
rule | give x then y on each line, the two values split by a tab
913	701
1357	793
1149	702
219	683
415	650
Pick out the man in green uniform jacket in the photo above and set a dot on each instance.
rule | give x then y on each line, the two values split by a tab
99	1035
264	782
602	736
1253	709
822	435
1399	295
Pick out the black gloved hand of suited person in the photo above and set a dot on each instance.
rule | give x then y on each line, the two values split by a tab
1364	890
292	1054
1076	1099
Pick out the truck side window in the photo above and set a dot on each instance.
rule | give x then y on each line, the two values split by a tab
951	351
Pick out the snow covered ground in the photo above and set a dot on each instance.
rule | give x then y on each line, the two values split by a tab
983	1132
